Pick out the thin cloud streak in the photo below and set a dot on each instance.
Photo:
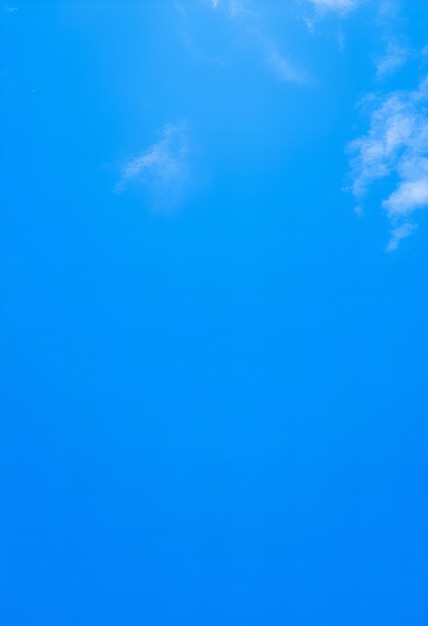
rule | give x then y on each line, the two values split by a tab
399	233
393	59
282	67
340	8
163	169
337	6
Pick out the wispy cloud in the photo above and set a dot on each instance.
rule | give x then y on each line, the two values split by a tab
282	67
233	8
10	9
395	56
188	41
396	145
399	233
163	168
249	18
338	6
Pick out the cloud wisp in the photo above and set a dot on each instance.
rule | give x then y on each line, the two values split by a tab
233	8
338	8
396	55
163	169
395	147
249	19
342	7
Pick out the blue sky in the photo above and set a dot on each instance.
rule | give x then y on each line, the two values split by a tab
214	302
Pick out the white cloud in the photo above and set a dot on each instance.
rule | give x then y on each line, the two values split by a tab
399	233
163	168
232	7
396	146
248	18
341	8
282	67
395	56
338	6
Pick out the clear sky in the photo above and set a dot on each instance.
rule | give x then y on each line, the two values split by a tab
214	338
